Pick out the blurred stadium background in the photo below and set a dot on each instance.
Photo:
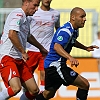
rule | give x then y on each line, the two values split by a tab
86	34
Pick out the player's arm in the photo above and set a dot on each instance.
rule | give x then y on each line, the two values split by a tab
34	42
81	46
59	49
13	36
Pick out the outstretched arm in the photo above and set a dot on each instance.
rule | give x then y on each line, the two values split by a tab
81	46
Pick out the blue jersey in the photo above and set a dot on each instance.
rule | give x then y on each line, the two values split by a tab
66	37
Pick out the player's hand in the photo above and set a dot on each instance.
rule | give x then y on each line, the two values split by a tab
91	48
25	56
44	52
74	62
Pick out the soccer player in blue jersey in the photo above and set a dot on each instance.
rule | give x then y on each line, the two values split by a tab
56	70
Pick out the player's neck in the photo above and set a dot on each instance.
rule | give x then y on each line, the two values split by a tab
24	9
45	8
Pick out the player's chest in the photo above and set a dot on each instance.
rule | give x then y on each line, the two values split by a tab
45	18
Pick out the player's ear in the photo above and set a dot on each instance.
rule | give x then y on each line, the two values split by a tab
26	2
73	17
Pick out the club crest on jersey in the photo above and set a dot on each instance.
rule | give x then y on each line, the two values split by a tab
18	22
72	73
60	38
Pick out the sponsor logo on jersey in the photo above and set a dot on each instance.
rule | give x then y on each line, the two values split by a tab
19	15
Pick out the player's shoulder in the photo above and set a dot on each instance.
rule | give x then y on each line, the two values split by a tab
66	28
55	11
65	31
17	13
18	10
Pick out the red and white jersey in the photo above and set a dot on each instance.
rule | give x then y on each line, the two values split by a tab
42	27
17	21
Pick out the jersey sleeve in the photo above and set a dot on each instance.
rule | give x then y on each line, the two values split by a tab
15	21
62	37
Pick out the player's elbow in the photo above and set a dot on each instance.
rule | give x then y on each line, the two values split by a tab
12	34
